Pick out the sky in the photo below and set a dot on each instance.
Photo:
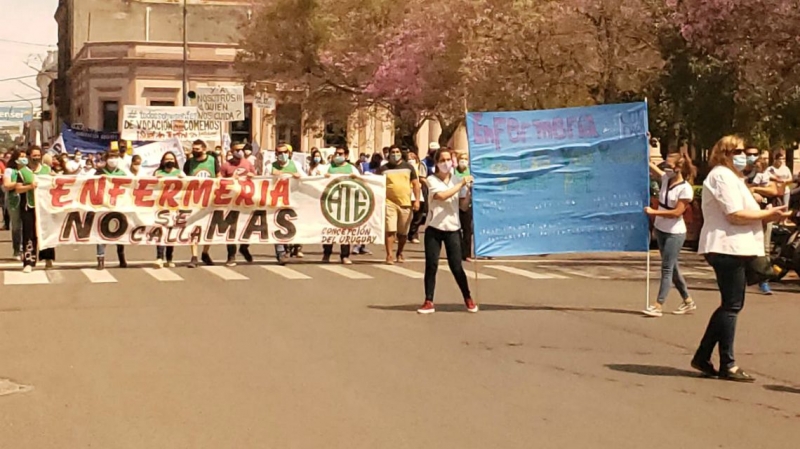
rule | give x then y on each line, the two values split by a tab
29	21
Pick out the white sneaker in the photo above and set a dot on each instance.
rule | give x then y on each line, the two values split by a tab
170	264
653	311
686	307
48	264
27	269
159	263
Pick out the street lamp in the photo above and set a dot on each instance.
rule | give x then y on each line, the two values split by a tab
185	57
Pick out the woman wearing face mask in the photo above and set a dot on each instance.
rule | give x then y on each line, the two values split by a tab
17	160
111	168
465	207
316	166
284	166
732	236
168	168
136	165
443	227
676	194
419	215
26	184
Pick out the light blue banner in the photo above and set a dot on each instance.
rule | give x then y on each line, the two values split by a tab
560	181
15	114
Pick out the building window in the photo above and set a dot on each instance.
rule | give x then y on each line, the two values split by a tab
241	130
161	103
111	116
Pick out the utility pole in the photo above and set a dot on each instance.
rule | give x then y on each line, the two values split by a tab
185	58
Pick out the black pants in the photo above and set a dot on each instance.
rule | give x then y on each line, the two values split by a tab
433	247
417	219
327	250
466	233
169	250
731	279
232	250
30	242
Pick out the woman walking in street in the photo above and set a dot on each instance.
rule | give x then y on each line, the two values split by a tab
443	226
731	238
18	159
677	174
26	184
167	169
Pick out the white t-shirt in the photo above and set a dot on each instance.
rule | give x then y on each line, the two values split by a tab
724	193
761	179
442	214
670	197
422	172
782	173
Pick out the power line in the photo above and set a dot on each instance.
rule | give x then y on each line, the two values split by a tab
26	43
19	78
20	100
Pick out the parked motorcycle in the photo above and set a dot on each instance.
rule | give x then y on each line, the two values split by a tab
785	244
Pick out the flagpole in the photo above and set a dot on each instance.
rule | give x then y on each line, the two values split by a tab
649	237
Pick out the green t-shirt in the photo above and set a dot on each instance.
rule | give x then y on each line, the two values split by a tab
115	172
202	169
169	174
12	197
288	168
27	177
344	169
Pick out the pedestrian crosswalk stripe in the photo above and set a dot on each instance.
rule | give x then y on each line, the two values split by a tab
471	274
401	271
287	273
20	278
98	276
346	272
525	273
225	273
585	275
163	274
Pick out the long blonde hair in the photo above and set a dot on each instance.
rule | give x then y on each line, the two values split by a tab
722	153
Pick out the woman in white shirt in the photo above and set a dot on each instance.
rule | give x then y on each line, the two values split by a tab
677	174
731	238
443	226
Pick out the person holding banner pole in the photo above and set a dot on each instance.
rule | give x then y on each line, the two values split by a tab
731	239
111	168
201	165
465	207
168	168
676	173
26	184
443	227
340	166
238	167
283	166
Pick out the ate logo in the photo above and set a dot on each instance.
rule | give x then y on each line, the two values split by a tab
203	174
347	203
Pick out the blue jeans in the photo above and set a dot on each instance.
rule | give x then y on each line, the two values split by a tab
669	245
721	330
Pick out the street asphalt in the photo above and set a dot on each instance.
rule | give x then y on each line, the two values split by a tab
315	356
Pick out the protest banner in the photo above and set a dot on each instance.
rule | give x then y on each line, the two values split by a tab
182	211
151	154
154	123
15	114
86	140
560	181
220	103
263	100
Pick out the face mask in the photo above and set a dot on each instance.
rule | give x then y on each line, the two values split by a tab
462	164
169	165
197	154
283	157
338	160
445	166
740	161
238	154
396	157
37	160
317	159
750	160
112	163
22	161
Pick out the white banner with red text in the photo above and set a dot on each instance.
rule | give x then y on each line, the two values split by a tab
182	211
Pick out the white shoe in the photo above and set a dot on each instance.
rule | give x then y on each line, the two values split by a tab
686	307
170	264
27	269
159	263
653	311
48	264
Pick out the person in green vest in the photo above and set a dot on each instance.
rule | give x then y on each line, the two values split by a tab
12	200
340	165
111	168
201	165
168	168
29	168
465	207
284	165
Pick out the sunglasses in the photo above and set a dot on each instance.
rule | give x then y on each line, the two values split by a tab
737	151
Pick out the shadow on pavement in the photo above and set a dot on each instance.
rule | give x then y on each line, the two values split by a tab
782	389
654	370
503	307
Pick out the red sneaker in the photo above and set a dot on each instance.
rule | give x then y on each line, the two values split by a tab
471	306
426	308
